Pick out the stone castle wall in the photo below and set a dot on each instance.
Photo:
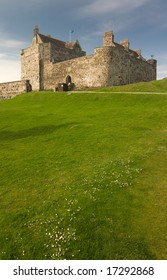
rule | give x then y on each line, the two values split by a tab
30	66
11	89
88	71
58	54
107	66
125	68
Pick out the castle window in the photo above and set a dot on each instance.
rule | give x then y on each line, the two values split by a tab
68	80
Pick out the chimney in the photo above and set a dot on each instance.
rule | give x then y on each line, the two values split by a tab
125	43
36	30
108	39
138	52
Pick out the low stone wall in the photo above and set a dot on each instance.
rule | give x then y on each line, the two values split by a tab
11	89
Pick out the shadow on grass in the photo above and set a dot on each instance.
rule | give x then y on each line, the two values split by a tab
33	132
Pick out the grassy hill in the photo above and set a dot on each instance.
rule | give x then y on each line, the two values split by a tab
83	176
159	86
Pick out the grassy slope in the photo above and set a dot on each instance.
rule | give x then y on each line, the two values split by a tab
153	86
83	176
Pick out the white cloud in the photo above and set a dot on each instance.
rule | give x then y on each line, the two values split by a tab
2	55
9	70
162	65
101	7
161	71
9	57
115	24
7	43
17	3
31	5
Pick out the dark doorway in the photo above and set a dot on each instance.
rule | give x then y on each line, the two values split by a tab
68	80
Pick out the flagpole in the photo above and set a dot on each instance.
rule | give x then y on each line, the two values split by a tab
70	35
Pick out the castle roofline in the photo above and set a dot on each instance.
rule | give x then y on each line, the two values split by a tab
49	39
39	38
108	40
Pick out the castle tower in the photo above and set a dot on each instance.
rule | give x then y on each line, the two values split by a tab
153	62
30	62
108	39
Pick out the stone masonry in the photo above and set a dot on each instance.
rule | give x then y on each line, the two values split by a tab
11	89
50	63
44	50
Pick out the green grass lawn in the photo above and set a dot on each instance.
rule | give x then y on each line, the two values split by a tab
153	86
83	176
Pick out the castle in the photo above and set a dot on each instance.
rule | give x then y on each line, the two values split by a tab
51	64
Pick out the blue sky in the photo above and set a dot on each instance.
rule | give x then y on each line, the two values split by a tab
144	22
